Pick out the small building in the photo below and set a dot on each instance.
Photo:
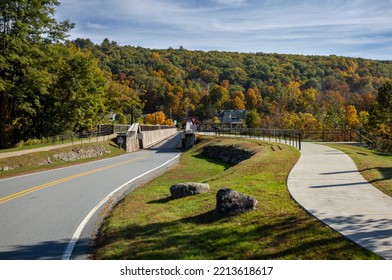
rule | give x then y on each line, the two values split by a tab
232	116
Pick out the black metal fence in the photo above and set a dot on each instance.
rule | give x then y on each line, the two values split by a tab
339	135
102	133
285	136
293	137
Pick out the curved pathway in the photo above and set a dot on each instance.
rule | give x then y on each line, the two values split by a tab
327	183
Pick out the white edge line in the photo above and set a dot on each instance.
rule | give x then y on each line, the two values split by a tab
75	237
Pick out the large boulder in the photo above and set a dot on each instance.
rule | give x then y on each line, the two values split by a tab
188	189
230	202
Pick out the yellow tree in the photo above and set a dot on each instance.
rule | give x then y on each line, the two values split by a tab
156	118
169	122
307	100
291	94
253	99
351	117
290	120
308	122
238	100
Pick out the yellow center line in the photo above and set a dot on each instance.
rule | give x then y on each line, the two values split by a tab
62	180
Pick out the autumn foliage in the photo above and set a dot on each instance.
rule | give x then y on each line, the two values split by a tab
49	85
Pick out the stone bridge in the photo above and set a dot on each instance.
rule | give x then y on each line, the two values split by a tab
143	136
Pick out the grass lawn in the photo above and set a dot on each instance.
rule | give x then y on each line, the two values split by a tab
148	224
32	162
374	166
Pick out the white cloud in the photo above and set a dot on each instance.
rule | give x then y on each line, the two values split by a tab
239	25
229	2
96	26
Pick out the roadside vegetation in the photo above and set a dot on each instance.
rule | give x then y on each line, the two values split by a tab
40	161
374	166
148	224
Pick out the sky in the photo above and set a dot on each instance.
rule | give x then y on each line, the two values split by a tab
353	28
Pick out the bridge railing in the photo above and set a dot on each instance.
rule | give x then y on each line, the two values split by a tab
285	136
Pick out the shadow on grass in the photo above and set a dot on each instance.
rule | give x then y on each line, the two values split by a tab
386	173
205	237
214	161
383	154
202	219
161	201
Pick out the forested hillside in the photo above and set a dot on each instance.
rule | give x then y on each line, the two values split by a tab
49	85
289	91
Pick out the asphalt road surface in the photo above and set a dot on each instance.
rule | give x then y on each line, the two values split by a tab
52	214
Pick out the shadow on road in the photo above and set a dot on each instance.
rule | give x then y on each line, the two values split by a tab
48	250
170	145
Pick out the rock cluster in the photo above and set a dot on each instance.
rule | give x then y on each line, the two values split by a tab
230	202
229	154
81	153
187	189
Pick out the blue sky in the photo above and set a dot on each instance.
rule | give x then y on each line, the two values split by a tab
360	28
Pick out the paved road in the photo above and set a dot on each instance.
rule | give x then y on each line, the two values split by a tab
50	215
327	183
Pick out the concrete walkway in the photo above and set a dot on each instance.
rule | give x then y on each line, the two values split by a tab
327	183
52	147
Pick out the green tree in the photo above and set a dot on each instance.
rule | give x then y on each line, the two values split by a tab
219	95
209	76
381	117
27	28
363	118
77	99
252	119
120	97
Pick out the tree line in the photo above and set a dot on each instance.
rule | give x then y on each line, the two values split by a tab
49	84
280	91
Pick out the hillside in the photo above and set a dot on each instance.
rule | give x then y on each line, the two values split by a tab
287	90
50	85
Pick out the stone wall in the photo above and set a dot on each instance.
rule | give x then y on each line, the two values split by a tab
229	154
81	153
